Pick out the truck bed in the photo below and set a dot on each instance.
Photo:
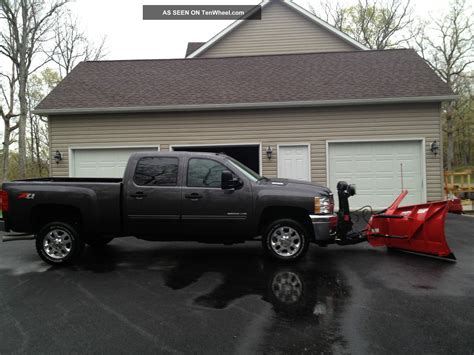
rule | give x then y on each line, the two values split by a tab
98	200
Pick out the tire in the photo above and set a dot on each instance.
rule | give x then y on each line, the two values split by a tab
285	239
69	243
99	242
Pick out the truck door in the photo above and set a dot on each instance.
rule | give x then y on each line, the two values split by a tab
153	198
208	211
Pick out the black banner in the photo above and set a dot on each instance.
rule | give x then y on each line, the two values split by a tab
202	12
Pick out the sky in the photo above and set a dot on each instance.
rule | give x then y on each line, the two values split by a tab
130	37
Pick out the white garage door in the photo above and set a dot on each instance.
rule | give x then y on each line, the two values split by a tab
293	162
375	169
100	162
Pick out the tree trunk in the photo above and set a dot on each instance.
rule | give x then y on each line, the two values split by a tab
6	149
22	77
31	143
37	148
450	139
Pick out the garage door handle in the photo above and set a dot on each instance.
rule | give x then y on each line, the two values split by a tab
194	196
138	195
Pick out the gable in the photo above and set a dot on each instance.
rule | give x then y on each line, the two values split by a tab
281	30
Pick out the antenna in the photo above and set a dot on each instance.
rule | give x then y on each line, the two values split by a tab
401	174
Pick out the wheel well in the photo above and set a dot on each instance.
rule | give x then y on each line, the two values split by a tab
44	214
299	214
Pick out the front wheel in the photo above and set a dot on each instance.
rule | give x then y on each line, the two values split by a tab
285	239
59	243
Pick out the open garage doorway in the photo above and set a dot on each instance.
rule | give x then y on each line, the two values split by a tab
247	154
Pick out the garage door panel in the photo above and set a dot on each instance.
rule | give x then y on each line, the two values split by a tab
107	171
375	168
381	166
102	162
345	165
363	164
382	182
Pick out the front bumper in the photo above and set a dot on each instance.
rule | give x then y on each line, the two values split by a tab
324	227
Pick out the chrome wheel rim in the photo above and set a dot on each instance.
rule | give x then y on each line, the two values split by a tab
287	287
285	241
57	244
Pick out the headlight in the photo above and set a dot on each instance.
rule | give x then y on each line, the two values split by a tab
324	204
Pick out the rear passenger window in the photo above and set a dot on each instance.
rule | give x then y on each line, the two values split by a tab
204	173
156	171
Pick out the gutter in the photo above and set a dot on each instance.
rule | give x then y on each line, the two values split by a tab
245	106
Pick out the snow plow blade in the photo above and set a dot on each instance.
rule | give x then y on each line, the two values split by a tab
415	228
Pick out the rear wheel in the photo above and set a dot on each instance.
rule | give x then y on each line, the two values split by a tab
285	239
59	243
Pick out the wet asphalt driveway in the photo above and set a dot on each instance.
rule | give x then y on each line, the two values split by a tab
142	297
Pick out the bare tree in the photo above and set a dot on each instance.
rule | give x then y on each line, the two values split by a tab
374	23
332	12
29	24
448	47
8	84
72	46
39	86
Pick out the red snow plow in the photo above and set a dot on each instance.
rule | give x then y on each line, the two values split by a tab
415	228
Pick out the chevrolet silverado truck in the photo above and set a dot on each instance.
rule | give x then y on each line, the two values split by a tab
171	196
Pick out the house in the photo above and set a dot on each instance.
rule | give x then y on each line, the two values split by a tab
289	95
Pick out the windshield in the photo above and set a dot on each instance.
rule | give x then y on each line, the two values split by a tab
249	173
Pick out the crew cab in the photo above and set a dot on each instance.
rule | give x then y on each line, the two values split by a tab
170	196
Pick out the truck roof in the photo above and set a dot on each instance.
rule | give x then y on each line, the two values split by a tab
155	153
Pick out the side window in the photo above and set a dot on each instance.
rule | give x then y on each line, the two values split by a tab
156	171
204	173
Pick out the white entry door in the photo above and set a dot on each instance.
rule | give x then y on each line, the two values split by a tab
377	169
293	162
102	162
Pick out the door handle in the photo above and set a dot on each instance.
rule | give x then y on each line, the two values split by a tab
138	195
194	196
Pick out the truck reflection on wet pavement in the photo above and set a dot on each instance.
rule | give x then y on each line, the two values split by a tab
136	296
305	299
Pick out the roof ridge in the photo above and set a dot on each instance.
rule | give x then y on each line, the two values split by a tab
248	56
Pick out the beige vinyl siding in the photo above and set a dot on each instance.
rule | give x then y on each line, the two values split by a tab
268	127
281	30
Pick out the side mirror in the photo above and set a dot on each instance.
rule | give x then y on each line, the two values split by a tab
229	181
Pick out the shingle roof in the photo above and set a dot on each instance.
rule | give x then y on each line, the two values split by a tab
273	79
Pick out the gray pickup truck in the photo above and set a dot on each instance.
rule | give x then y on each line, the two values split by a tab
173	196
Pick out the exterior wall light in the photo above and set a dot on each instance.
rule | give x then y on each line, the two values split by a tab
435	147
269	152
57	157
